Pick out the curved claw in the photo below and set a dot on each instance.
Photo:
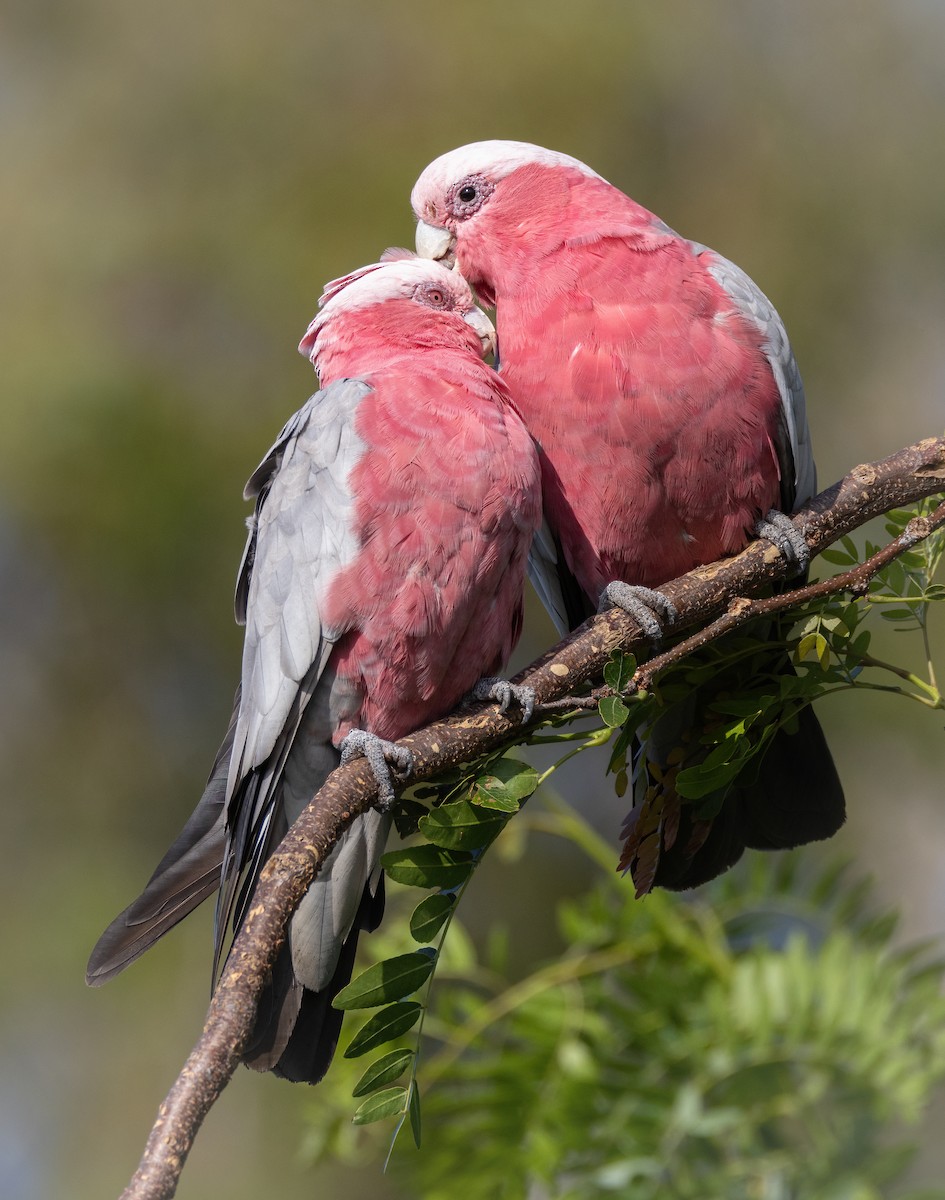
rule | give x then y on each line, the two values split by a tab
381	756
778	528
503	693
651	609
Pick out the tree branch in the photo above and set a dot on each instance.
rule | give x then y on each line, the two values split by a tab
741	608
700	596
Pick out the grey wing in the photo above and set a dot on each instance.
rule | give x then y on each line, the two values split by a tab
257	488
556	586
543	561
798	473
301	535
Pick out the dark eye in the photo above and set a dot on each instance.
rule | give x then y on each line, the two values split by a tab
468	195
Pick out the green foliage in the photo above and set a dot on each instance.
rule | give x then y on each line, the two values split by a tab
906	583
384	1027
504	787
458	832
833	635
389	980
761	1040
740	710
618	676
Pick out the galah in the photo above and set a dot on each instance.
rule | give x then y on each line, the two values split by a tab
661	387
383	577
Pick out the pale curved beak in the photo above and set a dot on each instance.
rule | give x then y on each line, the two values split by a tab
435	243
478	320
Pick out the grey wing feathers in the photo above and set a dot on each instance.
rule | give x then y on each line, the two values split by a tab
555	584
543	563
257	488
301	535
798	475
327	912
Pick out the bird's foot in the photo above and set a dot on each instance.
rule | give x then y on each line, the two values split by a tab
651	609
778	528
381	756
503	693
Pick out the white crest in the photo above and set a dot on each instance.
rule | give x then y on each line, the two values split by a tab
492	159
377	282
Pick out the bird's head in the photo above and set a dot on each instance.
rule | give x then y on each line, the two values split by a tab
455	191
431	286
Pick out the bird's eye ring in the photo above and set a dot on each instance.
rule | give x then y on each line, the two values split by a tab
432	296
468	195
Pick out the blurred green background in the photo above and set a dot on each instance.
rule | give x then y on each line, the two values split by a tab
179	179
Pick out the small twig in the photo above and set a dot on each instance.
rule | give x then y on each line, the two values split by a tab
867	492
742	608
576	703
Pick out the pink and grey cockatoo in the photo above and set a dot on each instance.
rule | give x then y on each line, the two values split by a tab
661	387
383	577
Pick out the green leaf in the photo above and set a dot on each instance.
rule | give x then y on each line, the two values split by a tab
461	826
429	915
428	866
861	643
384	1104
897	614
613	711
813	645
694	783
838	558
851	616
619	671
414	1110
506	784
389	980
894	577
384	1071
383	1027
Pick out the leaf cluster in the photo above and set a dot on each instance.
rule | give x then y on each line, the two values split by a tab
466	817
735	693
762	1040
